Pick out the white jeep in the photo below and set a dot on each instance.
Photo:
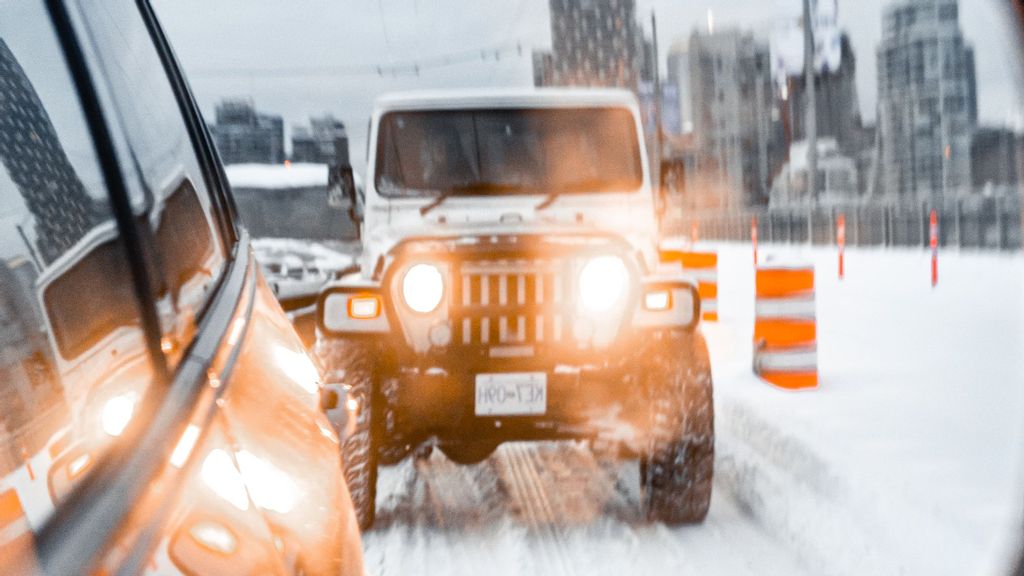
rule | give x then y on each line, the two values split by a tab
510	290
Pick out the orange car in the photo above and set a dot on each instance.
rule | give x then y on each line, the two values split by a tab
159	413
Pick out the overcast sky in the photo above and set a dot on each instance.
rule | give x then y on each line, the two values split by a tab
218	40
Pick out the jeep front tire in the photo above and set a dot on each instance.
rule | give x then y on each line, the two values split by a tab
677	470
353	362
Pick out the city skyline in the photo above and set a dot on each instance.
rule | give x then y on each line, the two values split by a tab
340	35
928	108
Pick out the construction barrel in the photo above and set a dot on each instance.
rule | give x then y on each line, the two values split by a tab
785	327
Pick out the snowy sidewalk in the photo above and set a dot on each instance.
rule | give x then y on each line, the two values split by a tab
908	457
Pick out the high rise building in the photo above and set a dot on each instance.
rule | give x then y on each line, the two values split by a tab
734	118
594	43
927	101
837	106
995	159
543	68
679	76
244	135
317	143
38	165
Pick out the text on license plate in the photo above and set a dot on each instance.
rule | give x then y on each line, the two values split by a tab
511	394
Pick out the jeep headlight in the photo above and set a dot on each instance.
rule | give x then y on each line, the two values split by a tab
603	284
423	288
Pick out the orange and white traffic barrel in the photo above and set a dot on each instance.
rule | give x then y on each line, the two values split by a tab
16	535
703	266
785	328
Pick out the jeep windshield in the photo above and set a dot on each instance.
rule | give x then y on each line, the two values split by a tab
508	152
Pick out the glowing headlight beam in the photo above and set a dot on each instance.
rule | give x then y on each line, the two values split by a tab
117	412
270	487
185	445
298	365
215	537
220	475
423	288
603	283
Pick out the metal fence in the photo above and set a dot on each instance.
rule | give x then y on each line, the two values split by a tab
975	223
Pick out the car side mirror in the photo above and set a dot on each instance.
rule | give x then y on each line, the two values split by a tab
343	194
341	188
329	399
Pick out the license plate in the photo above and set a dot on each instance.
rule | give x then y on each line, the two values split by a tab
511	394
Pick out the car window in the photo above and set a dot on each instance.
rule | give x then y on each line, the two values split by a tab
73	360
511	151
167	178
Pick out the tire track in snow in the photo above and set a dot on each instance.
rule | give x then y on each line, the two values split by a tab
532	499
553	508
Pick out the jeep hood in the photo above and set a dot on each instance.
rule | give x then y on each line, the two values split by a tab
513	217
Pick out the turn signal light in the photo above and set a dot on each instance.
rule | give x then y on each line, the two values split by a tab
658	301
213	536
364	307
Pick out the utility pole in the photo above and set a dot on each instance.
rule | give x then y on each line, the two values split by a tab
943	123
657	108
812	105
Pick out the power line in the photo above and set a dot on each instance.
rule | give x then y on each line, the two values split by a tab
398	68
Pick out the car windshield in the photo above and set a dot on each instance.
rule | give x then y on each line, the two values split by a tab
517	151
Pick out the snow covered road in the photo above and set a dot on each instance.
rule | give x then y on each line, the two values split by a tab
554	509
907	460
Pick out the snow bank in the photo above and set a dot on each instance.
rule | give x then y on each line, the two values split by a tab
277	176
296	268
907	460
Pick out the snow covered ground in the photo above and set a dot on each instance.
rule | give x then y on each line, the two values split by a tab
905	461
551	509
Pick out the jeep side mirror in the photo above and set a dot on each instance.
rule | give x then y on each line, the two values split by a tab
341	188
329	399
343	194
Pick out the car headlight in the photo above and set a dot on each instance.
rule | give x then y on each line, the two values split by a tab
423	288
117	413
603	284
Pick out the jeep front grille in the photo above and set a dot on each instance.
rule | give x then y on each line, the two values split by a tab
510	302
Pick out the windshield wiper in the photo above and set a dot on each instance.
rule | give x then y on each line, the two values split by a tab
468	189
436	202
548	201
579	186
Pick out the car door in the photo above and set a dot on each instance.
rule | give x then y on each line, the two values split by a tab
165	343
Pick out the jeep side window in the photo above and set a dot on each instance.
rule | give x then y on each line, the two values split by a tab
73	360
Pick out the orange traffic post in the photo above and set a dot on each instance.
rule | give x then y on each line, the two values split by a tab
704	267
785	328
841	242
694	232
753	237
933	232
